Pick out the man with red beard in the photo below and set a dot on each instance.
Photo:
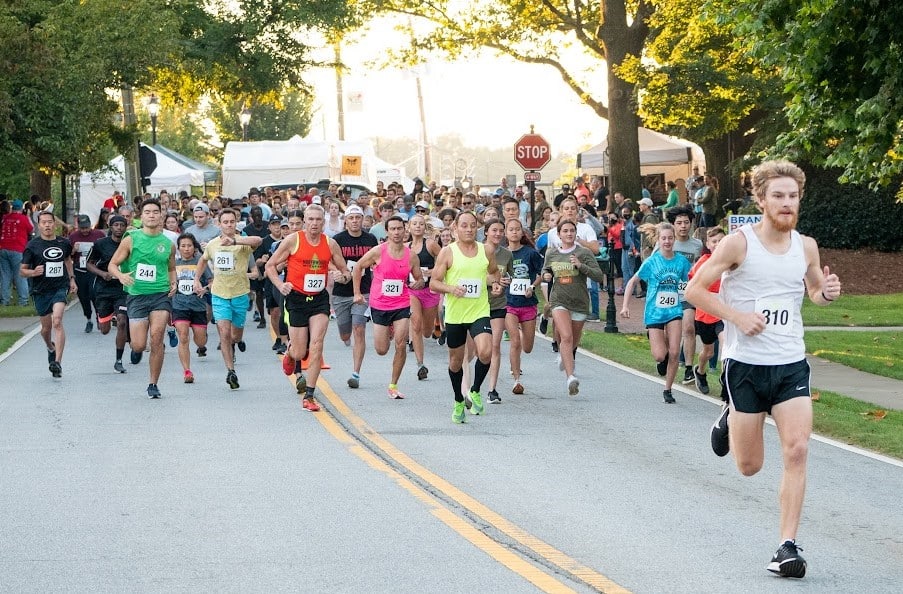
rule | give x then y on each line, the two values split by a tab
766	268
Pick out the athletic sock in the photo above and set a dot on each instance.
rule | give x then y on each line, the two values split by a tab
309	392
456	377
119	353
393	386
479	374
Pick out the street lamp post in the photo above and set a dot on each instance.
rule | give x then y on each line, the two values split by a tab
153	108
611	323
245	118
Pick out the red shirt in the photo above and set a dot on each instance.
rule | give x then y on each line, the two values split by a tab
715	287
614	234
15	231
308	265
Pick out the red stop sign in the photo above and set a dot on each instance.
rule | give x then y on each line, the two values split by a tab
532	152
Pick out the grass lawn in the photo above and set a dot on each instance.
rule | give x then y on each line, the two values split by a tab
856	310
8	339
836	416
880	353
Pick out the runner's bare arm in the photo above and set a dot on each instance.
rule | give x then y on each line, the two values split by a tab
279	256
822	285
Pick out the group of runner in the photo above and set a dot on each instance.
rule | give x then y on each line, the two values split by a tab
747	291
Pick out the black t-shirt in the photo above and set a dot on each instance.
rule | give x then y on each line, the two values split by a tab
251	231
101	255
53	255
353	249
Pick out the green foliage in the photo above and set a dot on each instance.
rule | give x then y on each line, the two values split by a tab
290	115
842	67
856	310
878	353
849	216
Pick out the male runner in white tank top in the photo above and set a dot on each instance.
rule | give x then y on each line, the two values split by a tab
765	269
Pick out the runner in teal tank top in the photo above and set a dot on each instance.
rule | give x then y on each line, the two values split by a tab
463	272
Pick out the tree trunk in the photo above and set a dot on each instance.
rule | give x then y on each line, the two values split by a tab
40	184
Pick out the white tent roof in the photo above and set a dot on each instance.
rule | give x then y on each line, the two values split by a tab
655	149
295	161
174	173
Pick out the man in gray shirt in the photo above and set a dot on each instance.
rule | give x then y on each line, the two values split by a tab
203	229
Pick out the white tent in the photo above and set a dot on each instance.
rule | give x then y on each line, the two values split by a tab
174	173
658	154
294	161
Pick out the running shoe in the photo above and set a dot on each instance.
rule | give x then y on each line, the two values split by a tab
505	337
135	357
787	561
241	345
394	394
202	351
554	347
288	364
280	350
256	316
354	382
422	372
721	444
89	327
668	396
662	366
232	379
301	384
277	343
410	346
441	339
309	404
189	377
477	400
51	353
153	391
118	366
518	388
543	325
494	397
702	383
262	324
688	376
173	339
56	370
458	413
573	385
468	403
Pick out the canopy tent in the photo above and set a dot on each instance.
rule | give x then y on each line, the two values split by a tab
249	165
659	153
174	172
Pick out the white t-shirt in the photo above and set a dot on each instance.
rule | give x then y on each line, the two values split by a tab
584	232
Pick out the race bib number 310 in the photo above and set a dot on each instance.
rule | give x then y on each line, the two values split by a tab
778	315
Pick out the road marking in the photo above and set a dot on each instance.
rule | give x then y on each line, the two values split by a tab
542	549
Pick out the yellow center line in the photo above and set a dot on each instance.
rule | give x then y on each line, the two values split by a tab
541	548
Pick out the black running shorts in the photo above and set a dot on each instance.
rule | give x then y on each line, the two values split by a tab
757	388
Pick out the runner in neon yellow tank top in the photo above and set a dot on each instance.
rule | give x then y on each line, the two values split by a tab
463	271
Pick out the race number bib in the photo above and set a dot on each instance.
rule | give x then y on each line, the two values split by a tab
681	288
351	264
392	288
314	283
83	261
146	273
519	286
778	316
473	287
667	299
224	260
186	286
53	269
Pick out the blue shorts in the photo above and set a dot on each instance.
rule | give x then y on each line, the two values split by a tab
43	302
233	310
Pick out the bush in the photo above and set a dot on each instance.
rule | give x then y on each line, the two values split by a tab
848	216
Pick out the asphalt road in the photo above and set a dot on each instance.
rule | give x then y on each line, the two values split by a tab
210	489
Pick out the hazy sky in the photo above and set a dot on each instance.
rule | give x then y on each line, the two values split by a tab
489	102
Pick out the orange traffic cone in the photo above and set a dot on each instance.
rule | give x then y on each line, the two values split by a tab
323	364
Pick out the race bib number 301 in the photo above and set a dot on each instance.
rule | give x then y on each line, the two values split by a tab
778	315
186	286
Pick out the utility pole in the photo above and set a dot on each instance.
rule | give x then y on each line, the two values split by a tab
130	162
339	89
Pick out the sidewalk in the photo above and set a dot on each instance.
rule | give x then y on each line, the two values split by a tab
881	391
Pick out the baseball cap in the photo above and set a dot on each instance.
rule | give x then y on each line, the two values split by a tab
275	219
17	205
316	200
423	204
117	219
353	210
646	201
201	206
84	221
499	192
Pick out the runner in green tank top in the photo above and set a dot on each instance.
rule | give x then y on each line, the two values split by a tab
148	274
463	272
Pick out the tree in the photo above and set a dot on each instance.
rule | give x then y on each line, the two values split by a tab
841	64
291	114
570	36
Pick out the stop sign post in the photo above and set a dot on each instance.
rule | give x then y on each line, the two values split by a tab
532	152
